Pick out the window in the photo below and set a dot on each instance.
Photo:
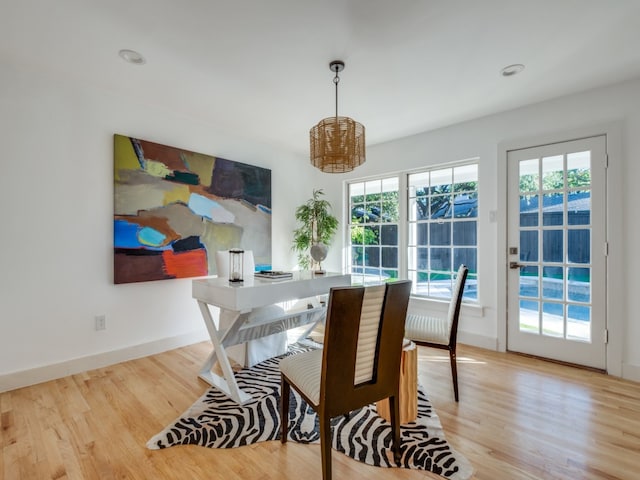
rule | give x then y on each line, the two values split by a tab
443	225
373	229
423	235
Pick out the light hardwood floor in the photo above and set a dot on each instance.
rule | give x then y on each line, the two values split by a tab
518	418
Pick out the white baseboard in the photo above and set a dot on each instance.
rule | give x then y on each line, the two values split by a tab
25	378
475	340
631	372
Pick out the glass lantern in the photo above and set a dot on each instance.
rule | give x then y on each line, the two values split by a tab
236	266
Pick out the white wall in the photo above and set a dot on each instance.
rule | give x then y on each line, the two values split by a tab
56	199
614	110
56	204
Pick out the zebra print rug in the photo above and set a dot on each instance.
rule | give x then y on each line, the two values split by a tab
216	421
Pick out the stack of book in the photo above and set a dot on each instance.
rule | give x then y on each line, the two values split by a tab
273	274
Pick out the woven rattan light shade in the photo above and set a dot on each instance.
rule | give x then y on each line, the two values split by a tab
337	144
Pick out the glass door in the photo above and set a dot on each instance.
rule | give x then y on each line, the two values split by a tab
557	251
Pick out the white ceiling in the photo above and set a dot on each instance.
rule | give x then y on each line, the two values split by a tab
261	66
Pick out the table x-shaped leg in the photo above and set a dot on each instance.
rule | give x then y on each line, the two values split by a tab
227	383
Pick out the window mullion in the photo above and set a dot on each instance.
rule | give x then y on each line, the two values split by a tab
403	225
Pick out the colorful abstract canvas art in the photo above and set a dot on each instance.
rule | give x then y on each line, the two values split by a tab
173	209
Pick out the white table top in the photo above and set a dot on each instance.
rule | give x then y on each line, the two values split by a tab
257	292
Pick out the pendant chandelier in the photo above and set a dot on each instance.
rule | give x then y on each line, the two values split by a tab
337	143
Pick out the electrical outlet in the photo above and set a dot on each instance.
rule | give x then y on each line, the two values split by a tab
101	322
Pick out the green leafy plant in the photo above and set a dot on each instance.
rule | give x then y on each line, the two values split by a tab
318	225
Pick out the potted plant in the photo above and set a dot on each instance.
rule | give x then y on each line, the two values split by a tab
318	226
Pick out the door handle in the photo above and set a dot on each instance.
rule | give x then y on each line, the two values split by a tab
514	265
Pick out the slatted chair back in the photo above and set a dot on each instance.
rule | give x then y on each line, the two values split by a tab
363	346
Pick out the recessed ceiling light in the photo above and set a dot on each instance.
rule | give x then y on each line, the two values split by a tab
132	56
511	70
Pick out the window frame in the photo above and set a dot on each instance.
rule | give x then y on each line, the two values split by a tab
377	224
404	225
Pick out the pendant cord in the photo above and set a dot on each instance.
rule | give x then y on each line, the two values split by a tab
336	80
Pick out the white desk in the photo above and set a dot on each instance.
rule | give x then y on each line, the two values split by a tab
239	301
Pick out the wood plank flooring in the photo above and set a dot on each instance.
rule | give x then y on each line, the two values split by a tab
518	418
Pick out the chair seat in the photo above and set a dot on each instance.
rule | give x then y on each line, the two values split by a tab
304	370
422	328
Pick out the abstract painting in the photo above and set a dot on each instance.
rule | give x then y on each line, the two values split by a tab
173	209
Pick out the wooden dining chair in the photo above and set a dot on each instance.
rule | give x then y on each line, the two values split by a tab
441	332
359	363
